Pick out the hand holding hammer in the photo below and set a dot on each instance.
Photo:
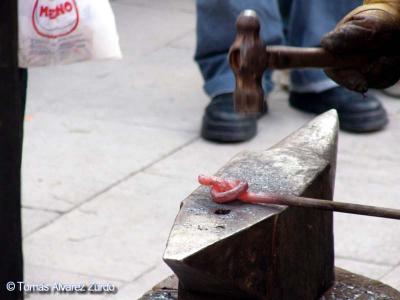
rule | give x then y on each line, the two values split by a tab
249	59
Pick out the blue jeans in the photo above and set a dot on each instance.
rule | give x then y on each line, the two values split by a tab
308	21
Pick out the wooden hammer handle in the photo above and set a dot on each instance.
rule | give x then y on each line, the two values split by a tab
284	57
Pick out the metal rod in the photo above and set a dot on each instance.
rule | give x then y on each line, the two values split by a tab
349	208
225	191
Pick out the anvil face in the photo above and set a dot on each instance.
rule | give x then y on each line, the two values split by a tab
240	251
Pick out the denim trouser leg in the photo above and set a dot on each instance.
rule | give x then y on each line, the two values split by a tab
215	34
309	21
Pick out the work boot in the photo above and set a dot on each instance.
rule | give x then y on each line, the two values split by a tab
222	124
357	112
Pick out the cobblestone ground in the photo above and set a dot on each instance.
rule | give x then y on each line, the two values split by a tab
112	148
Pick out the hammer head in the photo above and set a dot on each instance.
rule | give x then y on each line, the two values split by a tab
248	59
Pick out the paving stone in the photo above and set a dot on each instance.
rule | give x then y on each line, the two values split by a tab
373	271
367	239
393	278
209	157
377	172
69	159
119	235
147	33
51	84
392	104
33	219
142	284
365	187
178	5
187	41
149	93
380	146
368	173
143	29
50	276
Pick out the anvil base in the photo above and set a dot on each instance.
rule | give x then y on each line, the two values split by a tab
347	286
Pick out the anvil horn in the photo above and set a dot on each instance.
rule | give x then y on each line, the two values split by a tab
240	251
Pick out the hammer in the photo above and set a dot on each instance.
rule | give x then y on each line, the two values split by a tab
249	59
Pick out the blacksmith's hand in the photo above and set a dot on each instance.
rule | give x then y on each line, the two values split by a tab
372	29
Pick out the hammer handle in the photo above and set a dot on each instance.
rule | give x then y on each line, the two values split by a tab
284	57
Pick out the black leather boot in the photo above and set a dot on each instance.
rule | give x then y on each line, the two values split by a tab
222	124
357	113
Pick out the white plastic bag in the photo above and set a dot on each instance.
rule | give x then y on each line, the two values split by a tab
54	32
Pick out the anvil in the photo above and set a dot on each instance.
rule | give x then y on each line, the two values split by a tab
242	251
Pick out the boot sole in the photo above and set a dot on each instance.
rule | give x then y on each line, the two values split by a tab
228	132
